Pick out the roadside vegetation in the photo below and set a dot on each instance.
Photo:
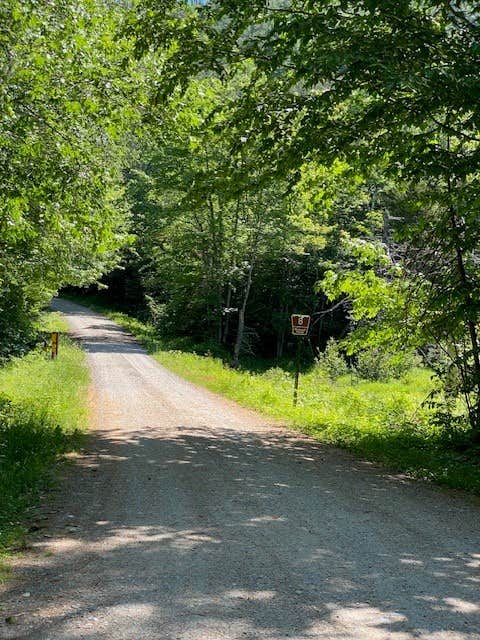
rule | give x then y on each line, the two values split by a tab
386	418
43	413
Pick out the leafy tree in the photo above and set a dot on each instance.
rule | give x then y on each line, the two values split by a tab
205	223
384	83
64	111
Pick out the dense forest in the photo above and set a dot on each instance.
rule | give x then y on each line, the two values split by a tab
215	167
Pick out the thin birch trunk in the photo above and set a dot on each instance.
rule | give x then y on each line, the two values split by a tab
241	320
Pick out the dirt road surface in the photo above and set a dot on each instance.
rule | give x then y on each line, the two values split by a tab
189	518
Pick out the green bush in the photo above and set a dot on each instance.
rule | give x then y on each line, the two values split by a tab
378	364
17	331
331	362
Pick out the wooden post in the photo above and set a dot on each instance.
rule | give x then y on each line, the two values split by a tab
54	338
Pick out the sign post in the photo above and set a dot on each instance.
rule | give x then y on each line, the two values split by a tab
300	327
54	338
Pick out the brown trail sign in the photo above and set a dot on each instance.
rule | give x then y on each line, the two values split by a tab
300	324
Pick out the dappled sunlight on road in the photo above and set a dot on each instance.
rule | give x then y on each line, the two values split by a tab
249	558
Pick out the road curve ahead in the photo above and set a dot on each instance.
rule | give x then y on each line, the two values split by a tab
189	518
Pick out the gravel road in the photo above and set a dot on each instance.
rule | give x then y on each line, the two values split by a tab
190	518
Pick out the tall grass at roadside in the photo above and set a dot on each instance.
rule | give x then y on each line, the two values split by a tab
43	411
384	421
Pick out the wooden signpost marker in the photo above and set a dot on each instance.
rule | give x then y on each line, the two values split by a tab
54	338
300	327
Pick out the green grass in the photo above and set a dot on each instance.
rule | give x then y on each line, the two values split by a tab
43	412
383	422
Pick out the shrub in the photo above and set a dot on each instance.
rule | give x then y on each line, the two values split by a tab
29	445
332	362
379	364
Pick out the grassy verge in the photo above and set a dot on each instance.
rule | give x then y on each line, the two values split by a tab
43	411
381	421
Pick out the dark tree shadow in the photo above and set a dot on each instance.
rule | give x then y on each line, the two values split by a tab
264	536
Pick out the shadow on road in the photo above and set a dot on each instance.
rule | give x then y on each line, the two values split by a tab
210	535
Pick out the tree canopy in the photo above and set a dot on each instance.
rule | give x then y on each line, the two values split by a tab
65	105
390	87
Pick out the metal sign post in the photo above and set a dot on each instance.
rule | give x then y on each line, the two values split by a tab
300	327
297	375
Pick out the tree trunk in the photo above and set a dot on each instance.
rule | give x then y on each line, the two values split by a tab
474	413
227	318
241	321
280	343
281	335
